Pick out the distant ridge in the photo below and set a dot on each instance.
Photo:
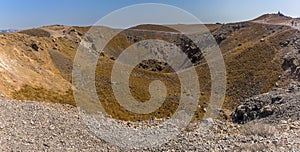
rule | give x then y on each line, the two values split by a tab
273	18
8	31
278	15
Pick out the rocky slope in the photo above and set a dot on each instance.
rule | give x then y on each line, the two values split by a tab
252	54
278	105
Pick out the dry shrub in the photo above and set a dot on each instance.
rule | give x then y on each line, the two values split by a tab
258	129
253	147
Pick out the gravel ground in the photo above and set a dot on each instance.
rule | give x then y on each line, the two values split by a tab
38	126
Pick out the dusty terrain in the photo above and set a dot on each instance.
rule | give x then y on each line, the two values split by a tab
40	126
260	111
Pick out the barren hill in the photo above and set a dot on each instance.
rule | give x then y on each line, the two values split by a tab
36	64
273	18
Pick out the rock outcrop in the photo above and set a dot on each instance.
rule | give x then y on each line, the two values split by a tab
274	106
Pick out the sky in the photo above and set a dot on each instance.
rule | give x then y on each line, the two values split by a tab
22	14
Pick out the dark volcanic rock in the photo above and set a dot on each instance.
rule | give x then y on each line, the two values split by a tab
276	105
34	47
291	59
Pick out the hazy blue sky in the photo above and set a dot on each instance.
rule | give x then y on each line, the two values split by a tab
20	14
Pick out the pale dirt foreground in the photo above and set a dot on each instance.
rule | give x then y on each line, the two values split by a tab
37	126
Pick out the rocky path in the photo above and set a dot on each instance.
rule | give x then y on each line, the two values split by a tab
34	126
286	23
37	126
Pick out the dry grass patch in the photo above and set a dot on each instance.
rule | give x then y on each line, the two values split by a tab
36	33
258	129
41	94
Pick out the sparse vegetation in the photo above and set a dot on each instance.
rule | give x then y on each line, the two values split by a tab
252	66
40	94
258	129
255	147
36	32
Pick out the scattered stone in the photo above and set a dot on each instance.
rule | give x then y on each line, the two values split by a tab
59	128
284	44
266	110
112	58
35	47
294	127
52	127
283	122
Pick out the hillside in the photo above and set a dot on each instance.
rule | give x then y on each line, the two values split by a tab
274	18
33	59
